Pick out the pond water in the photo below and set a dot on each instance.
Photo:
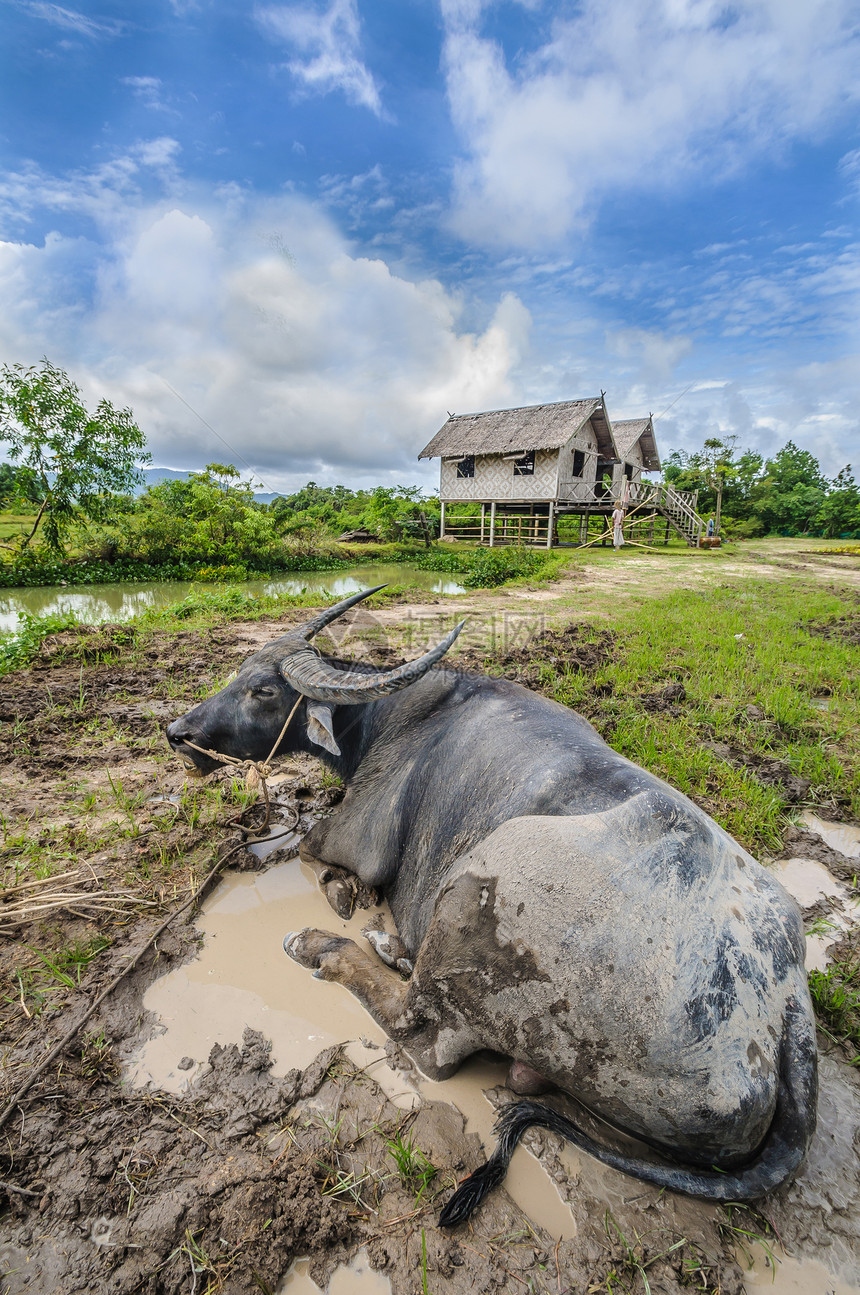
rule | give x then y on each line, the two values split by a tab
122	602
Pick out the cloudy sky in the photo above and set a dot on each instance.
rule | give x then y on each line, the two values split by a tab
319	227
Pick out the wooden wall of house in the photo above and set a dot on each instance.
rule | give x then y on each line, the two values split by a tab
572	488
632	457
494	479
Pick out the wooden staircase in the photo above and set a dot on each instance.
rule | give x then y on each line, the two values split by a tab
677	506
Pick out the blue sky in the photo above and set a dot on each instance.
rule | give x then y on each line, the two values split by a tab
325	225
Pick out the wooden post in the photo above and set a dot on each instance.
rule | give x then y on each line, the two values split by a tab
442	520
483	519
549	525
492	523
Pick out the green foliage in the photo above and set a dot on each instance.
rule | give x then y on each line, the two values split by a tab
487	568
18	650
391	512
415	1168
787	495
840	512
69	461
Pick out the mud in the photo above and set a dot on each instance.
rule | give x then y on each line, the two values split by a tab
557	1194
846	629
769	772
252	1158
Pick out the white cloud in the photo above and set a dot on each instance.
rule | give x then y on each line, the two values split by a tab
330	41
312	361
148	90
101	194
656	355
635	95
71	20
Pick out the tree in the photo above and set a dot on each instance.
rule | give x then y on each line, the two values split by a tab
715	472
68	461
792	491
840	512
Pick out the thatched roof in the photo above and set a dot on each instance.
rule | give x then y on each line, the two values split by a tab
630	430
533	427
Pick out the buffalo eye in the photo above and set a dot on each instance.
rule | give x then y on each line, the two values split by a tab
264	692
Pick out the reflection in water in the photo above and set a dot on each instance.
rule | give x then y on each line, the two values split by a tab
122	602
843	837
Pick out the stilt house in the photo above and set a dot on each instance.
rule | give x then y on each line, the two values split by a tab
527	467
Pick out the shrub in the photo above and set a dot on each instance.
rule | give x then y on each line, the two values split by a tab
19	649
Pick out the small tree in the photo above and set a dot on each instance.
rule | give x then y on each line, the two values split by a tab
840	512
68	461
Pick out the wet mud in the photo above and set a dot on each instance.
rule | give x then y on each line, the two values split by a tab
226	1122
846	629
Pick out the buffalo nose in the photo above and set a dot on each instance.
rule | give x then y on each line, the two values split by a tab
177	733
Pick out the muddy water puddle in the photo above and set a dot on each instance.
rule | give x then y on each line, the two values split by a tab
790	1277
844	837
243	978
809	882
355	1278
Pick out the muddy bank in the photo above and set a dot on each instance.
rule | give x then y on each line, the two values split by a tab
262	1159
252	1163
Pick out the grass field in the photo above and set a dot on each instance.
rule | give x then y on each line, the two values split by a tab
731	674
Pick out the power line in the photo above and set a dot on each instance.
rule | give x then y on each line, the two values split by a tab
226	444
677	398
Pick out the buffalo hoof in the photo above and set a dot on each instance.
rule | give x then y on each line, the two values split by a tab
390	948
344	891
314	948
527	1082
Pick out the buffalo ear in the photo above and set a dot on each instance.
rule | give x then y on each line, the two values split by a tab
320	727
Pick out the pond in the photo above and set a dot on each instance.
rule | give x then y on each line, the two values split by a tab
122	602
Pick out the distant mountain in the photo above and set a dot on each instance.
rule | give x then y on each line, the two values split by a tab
154	477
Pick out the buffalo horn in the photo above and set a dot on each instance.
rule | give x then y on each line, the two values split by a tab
310	674
312	627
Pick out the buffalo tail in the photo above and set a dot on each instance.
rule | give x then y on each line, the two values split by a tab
778	1159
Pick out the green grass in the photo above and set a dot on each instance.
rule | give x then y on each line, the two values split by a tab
414	1167
776	666
47	981
836	998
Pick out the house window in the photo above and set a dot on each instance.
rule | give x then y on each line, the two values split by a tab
466	466
628	471
578	462
525	467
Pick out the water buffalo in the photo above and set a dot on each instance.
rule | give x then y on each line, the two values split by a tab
554	903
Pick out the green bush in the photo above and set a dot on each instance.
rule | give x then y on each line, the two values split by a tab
487	568
19	649
491	567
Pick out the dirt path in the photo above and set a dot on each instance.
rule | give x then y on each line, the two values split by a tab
258	1158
